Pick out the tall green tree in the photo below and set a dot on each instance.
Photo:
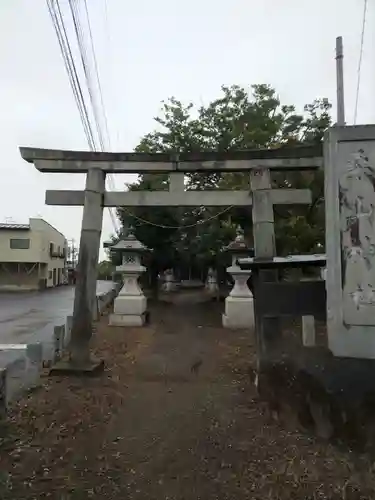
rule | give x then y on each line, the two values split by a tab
105	270
236	120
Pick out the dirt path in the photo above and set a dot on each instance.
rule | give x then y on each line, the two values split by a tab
173	417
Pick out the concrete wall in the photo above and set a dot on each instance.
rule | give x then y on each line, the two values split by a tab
8	254
20	276
49	235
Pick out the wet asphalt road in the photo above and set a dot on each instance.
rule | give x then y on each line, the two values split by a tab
26	317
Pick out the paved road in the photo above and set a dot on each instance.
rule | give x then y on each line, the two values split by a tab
26	317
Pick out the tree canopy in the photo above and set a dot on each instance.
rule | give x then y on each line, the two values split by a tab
105	270
236	120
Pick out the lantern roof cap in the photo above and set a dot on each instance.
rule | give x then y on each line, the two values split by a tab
238	244
129	243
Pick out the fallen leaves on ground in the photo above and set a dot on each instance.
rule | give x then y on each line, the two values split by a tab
151	428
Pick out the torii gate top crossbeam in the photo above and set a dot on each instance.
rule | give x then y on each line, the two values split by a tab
284	158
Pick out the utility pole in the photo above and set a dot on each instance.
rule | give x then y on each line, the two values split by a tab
340	82
72	259
73	251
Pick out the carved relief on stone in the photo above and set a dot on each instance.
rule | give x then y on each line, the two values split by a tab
357	221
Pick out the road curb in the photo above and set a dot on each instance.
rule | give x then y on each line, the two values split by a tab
21	364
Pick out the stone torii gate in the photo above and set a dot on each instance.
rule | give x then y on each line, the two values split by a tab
94	198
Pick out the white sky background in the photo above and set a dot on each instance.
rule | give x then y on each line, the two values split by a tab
156	49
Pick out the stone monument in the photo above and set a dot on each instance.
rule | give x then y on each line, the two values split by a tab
239	306
130	304
350	240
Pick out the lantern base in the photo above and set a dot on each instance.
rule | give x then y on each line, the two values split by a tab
239	312
129	310
128	319
212	288
130	305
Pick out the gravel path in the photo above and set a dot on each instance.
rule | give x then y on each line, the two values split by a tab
174	416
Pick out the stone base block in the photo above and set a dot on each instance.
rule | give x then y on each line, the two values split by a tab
239	312
130	305
128	319
65	367
170	287
334	398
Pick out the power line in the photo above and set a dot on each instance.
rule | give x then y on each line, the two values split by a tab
86	66
108	47
97	78
90	138
65	48
360	60
70	67
111	180
162	226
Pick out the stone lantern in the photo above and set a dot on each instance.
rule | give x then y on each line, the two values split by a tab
130	304
211	282
239	307
169	284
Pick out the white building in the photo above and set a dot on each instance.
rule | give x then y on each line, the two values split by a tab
32	256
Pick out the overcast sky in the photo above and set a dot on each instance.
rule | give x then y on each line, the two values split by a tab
149	50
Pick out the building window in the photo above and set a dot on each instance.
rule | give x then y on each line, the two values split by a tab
19	243
49	275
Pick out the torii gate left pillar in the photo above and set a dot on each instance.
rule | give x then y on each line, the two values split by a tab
79	359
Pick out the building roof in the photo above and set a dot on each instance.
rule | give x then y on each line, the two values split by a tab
12	226
48	224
